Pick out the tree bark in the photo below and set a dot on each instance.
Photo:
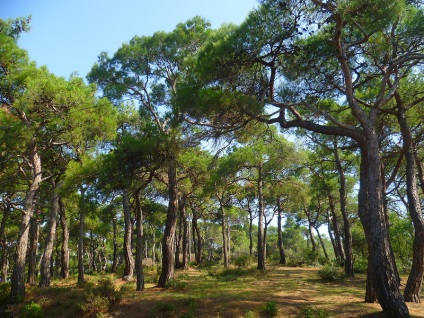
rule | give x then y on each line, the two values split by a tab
336	229
34	234
45	276
17	292
139	243
81	277
197	239
3	238
373	218
128	228
65	242
115	246
168	243
261	220
280	233
185	237
225	249
415	278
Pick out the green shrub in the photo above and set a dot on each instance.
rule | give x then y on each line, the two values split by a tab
311	312
163	310
331	273
243	261
95	306
271	308
175	284
4	292
32	310
250	314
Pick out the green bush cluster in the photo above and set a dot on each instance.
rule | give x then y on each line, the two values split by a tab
331	273
99	298
175	284
163	310
271	309
32	310
311	312
243	261
4	292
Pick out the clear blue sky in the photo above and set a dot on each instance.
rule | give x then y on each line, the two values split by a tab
68	35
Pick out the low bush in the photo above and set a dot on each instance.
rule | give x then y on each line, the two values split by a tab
311	312
271	308
175	284
163	310
99	298
243	261
32	310
331	273
4	292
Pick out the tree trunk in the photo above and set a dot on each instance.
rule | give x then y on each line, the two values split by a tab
197	239
34	234
185	238
224	236
373	218
415	279
81	278
3	239
115	246
65	242
336	228
322	243
280	233
17	292
128	228
250	229
4	260
168	245
45	276
139	243
261	220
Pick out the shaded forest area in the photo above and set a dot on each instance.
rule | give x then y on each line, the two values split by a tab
293	139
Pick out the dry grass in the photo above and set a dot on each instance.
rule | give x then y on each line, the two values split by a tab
230	294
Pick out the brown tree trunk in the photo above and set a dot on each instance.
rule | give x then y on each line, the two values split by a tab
224	236
322	243
139	243
17	292
280	233
128	228
261	220
168	243
3	239
45	276
81	277
347	233
185	237
339	252
34	233
373	218
415	279
115	246
197	239
64	252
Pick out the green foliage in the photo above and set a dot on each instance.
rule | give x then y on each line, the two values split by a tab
32	310
271	308
4	292
99	298
312	312
175	284
163	310
331	273
243	261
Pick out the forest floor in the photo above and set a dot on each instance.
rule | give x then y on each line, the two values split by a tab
279	292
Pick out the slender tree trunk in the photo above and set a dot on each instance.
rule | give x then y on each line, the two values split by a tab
81	278
185	237
128	255
65	242
250	229
139	243
179	240
224	236
261	220
336	228
4	249
168	245
280	233
34	234
415	279
45	276
197	239
373	218
17	292
115	246
347	233
4	259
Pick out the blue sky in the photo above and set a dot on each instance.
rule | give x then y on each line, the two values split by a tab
67	36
